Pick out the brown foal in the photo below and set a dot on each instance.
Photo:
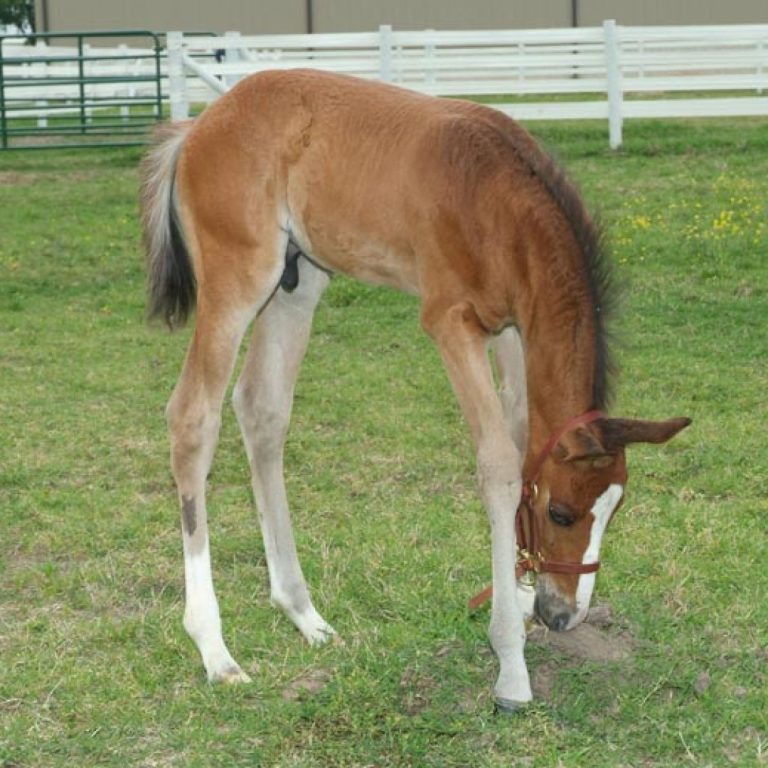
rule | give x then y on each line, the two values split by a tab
293	176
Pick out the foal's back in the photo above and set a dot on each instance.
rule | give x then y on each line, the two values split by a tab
371	180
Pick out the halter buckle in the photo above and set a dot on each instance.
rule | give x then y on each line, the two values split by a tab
530	492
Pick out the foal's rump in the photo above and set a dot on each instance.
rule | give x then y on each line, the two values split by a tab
282	164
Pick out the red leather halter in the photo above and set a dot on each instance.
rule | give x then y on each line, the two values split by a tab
529	557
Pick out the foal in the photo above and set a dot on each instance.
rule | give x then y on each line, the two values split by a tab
293	176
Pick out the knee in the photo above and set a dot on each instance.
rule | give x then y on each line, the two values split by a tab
499	472
191	425
439	320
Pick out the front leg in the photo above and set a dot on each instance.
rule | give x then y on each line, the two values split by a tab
463	342
501	496
510	365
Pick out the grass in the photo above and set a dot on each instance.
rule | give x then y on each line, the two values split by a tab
95	669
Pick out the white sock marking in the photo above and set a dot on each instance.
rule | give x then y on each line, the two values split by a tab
201	617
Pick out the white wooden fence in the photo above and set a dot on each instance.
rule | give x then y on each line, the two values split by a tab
609	72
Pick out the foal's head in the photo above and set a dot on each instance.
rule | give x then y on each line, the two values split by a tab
580	486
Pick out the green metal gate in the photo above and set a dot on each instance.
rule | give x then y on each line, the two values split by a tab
70	90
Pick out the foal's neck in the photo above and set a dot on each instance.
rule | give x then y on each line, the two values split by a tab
561	365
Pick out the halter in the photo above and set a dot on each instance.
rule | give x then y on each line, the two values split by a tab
530	561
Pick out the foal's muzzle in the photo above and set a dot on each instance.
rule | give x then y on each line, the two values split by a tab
554	611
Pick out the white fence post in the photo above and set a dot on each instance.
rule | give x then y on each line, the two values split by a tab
430	61
130	91
40	50
42	120
613	74
385	53
177	79
235	55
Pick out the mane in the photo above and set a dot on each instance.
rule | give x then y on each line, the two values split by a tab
598	268
477	153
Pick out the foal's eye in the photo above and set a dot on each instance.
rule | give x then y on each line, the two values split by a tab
560	516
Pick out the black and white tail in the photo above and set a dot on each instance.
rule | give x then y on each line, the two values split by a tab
171	278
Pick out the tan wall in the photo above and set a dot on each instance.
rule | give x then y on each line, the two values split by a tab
251	16
358	15
673	12
255	16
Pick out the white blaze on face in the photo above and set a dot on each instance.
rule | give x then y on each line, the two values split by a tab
602	510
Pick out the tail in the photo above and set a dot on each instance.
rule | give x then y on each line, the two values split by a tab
171	279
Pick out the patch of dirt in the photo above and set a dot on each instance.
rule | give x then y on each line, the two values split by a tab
601	616
16	178
702	683
744	291
417	689
19	178
594	640
309	684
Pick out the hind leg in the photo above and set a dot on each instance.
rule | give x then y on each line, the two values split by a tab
262	400
225	308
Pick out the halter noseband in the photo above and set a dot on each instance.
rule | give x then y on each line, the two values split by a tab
530	561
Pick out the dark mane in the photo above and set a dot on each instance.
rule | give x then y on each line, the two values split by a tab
598	268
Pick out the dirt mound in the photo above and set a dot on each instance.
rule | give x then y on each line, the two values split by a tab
597	639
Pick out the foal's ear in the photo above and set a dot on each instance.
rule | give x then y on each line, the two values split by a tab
616	433
600	441
580	443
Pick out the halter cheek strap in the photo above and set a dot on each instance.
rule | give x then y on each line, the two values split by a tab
529	558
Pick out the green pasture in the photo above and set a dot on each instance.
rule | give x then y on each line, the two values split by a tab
95	668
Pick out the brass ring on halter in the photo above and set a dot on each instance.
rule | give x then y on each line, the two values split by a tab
534	493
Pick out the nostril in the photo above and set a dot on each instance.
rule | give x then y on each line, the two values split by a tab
559	622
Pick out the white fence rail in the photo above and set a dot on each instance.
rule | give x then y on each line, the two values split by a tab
609	72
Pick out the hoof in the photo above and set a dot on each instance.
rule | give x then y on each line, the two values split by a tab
508	706
230	676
